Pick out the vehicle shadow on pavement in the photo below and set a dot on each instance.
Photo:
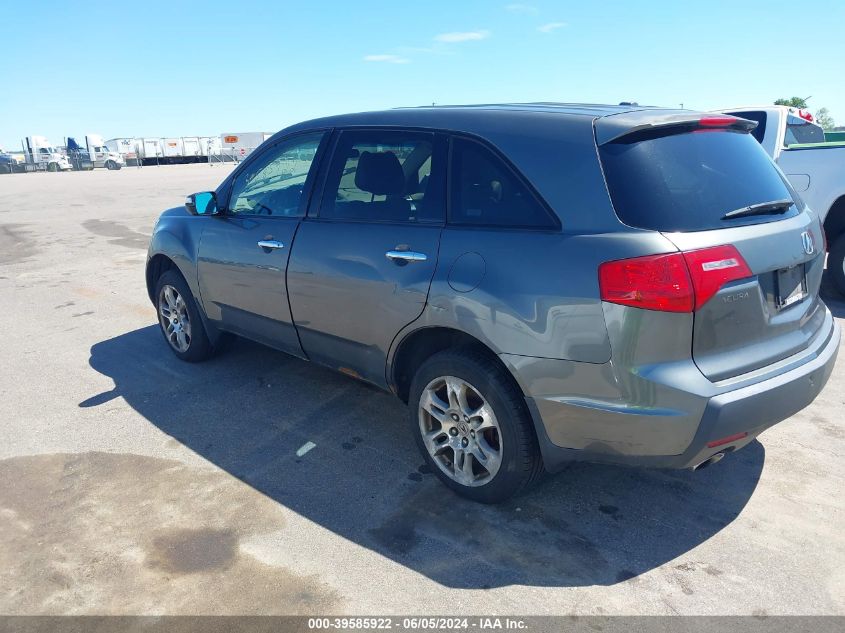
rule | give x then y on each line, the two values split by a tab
250	409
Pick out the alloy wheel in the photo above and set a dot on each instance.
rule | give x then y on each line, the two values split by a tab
174	318
460	431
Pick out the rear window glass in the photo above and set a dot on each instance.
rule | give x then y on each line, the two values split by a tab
689	181
800	131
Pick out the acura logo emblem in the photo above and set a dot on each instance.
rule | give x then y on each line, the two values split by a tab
808	242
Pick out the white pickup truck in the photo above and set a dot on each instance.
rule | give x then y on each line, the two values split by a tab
816	170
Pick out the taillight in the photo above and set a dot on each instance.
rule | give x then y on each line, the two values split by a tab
676	282
806	115
712	268
654	282
717	121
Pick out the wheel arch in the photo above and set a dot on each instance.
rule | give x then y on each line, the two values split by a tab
159	264
156	266
834	222
421	344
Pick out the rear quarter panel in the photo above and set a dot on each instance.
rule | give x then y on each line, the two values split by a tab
536	294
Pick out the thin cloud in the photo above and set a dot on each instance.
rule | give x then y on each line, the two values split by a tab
462	36
386	59
551	26
418	49
522	8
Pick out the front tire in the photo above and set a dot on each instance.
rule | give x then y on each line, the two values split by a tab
52	167
111	165
180	320
472	426
836	263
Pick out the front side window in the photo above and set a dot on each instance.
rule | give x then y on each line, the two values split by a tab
383	176
273	184
485	191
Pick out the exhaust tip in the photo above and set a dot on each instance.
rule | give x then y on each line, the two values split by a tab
709	461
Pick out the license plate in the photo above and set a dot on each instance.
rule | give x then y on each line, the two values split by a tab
792	286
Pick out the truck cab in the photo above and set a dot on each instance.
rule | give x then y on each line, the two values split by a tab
94	154
41	154
815	169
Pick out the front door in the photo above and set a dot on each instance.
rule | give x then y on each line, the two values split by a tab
361	268
243	253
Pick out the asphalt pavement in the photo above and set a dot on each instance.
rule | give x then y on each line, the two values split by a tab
132	483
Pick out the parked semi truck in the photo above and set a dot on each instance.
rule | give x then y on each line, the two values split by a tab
815	168
126	147
95	154
39	154
8	162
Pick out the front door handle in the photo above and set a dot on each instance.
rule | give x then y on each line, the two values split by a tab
270	244
405	256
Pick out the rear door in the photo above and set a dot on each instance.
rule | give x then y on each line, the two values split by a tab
710	187
243	254
363	260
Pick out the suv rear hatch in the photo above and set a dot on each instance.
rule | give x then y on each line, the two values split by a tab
754	260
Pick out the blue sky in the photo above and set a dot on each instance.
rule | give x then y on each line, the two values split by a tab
180	68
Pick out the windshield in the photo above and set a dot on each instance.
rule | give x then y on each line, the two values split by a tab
688	182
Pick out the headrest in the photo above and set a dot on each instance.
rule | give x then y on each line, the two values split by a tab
380	173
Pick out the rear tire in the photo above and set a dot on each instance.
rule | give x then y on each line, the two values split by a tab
486	422
836	263
179	319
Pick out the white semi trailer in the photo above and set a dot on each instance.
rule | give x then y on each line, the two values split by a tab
192	149
171	150
186	149
239	145
150	151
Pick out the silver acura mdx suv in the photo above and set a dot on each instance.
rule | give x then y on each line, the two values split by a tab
539	282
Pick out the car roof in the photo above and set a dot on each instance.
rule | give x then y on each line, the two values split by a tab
457	116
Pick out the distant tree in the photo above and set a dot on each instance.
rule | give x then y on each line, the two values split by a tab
824	119
794	102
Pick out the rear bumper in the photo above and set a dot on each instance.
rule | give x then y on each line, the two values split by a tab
636	435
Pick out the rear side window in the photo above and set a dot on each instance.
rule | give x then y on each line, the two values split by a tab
485	191
383	176
689	181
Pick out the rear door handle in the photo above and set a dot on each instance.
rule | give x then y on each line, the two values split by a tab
405	256
271	244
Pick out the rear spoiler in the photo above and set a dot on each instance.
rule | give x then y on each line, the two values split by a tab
628	127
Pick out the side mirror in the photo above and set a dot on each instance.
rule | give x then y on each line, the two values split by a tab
203	203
